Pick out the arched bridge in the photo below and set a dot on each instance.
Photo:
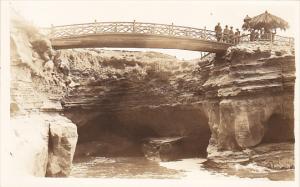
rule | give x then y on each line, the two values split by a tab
135	35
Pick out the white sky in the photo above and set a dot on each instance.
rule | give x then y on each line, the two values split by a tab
185	13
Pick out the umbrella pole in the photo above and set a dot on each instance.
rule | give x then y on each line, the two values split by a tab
271	42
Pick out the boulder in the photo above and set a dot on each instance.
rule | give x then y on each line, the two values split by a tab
28	146
62	143
163	149
274	155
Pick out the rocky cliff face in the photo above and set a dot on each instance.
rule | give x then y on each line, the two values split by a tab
231	102
119	99
40	136
118	96
250	96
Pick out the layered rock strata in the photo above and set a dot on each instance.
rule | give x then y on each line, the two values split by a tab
36	123
250	94
233	102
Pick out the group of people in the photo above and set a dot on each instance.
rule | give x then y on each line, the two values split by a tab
227	35
264	34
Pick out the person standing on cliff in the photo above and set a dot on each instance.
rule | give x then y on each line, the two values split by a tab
226	34
237	36
231	35
218	30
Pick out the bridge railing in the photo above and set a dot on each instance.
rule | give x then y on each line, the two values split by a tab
269	38
132	27
168	30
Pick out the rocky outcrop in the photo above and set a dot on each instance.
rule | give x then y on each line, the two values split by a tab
62	143
273	160
132	96
225	103
41	143
243	98
164	149
36	91
254	91
29	146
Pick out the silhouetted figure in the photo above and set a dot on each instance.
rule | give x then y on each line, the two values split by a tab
231	35
226	34
218	30
256	35
237	36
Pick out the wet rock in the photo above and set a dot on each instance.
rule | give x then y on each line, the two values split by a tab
108	147
63	138
163	149
274	155
271	160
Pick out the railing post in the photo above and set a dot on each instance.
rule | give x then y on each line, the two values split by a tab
171	29
205	36
152	28
116	28
95	26
133	26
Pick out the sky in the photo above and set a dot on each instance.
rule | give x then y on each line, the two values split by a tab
198	14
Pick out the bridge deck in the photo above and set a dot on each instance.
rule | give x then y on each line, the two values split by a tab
138	41
137	35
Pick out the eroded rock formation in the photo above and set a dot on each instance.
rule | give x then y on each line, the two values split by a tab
62	144
235	101
118	99
35	123
254	86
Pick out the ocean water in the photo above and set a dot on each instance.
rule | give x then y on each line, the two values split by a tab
191	169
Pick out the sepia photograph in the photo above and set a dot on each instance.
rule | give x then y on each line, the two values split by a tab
149	93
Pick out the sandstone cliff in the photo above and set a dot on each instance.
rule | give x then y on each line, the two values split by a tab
237	102
254	85
231	102
40	136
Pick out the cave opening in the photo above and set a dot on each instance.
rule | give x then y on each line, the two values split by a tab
176	132
279	128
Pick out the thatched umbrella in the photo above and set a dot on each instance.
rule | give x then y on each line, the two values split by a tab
247	18
267	21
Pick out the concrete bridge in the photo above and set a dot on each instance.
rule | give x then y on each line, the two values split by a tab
135	35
